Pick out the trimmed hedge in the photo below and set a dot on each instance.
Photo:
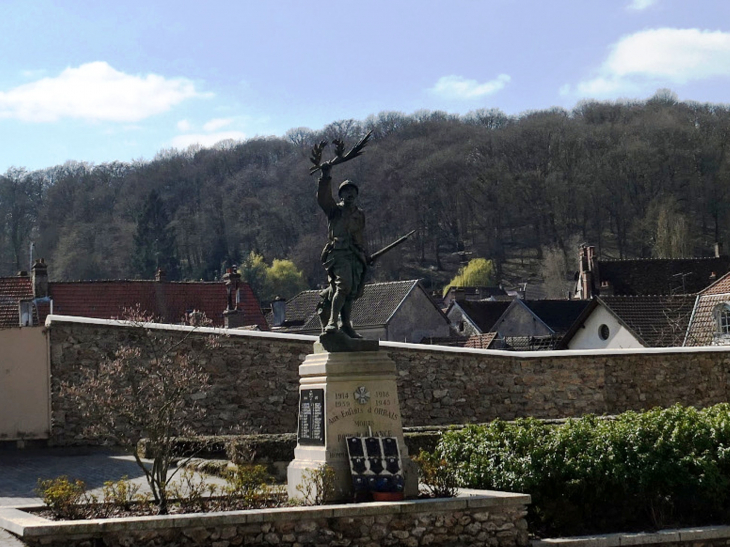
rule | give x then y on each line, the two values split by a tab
245	449
655	469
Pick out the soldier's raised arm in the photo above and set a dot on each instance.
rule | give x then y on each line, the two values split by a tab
324	190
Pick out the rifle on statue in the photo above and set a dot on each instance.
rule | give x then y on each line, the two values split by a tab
389	247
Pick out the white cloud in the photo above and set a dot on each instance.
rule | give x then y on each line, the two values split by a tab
184	125
457	87
95	92
216	124
207	140
659	57
640	5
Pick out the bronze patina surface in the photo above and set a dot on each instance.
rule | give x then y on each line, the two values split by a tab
344	257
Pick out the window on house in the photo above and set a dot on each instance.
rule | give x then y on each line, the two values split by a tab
604	332
722	318
26	314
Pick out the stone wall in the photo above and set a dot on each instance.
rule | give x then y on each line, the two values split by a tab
482	518
255	379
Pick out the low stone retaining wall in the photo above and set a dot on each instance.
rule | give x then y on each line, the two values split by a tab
705	536
477	517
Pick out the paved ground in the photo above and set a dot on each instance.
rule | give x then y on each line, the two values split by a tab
21	469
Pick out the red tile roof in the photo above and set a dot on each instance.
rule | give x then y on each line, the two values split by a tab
481	341
703	328
12	291
167	301
721	286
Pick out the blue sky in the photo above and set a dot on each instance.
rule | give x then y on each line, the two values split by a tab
102	81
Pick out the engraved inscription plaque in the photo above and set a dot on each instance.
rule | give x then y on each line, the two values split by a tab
311	417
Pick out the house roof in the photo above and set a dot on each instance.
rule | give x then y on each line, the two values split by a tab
484	314
661	276
702	327
654	320
167	301
481	341
721	286
12	291
559	315
658	321
375	308
474	293
527	343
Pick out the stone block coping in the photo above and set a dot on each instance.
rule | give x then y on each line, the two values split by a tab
28	525
703	534
70	319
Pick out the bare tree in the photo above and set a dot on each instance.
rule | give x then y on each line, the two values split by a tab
145	390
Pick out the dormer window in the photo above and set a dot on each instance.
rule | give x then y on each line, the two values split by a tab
722	318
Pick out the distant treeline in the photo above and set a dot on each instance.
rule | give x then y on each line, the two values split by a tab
636	179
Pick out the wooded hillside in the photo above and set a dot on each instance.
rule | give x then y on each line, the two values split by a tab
635	179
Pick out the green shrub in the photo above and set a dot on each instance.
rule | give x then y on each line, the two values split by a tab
317	486
191	491
437	477
123	493
248	483
63	496
639	470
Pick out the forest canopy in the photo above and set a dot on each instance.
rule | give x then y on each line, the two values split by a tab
635	179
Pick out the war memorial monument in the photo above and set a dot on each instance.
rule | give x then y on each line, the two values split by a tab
347	387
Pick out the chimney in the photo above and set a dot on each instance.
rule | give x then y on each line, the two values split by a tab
233	319
160	275
39	278
587	271
278	307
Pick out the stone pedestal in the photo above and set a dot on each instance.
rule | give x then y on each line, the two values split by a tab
342	395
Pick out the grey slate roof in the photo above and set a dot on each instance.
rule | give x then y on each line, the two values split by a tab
661	275
484	313
656	321
375	308
659	321
559	315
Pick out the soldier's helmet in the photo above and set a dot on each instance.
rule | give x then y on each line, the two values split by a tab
345	184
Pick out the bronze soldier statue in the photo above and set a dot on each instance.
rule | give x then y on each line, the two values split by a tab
344	257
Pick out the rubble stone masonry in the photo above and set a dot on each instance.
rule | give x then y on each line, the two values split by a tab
254	379
483	518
